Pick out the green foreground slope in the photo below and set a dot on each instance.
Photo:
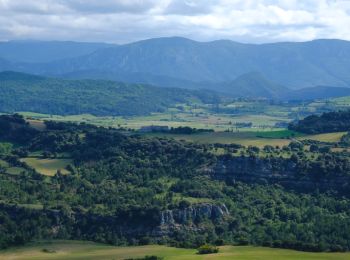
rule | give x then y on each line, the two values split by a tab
88	250
124	189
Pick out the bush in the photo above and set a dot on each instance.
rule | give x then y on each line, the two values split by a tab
207	249
45	250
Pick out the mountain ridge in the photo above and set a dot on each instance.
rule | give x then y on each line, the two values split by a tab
36	51
185	63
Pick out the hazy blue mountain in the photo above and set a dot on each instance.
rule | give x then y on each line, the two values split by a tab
295	65
179	62
6	65
256	85
319	92
46	51
6	76
138	77
252	84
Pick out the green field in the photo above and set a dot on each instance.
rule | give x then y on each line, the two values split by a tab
4	164
278	134
87	250
244	138
207	120
48	167
261	113
328	137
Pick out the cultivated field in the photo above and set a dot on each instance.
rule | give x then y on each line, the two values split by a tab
261	113
328	137
243	138
246	138
87	250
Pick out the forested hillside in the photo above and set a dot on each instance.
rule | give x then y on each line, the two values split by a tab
128	190
24	92
325	123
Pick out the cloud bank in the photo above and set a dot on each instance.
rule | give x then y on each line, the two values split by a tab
123	21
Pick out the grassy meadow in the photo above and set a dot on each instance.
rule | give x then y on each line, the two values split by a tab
247	138
328	137
261	113
262	133
87	250
243	138
218	122
48	167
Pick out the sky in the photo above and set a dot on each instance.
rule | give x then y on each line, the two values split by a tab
122	21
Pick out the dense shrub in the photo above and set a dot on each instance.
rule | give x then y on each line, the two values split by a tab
207	249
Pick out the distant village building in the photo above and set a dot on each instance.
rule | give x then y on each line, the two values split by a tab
154	128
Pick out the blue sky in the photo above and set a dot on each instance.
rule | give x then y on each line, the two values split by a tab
122	21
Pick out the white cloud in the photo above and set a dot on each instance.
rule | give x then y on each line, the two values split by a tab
130	20
110	6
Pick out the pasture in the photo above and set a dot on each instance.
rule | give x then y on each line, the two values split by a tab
244	138
262	114
68	250
48	167
328	137
247	138
207	120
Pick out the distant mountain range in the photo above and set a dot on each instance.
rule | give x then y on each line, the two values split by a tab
264	70
46	51
256	85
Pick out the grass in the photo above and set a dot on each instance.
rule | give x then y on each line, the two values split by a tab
328	137
262	114
279	134
9	169
4	164
246	138
179	197
31	206
68	250
243	138
48	167
196	118
14	170
342	101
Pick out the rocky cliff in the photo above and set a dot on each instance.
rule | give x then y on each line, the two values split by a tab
281	171
193	213
64	224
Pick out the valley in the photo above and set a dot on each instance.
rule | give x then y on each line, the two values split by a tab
256	163
75	181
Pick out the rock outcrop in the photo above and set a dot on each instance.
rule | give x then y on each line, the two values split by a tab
276	171
193	213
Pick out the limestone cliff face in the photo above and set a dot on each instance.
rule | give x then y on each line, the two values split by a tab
275	170
193	213
60	224
249	167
